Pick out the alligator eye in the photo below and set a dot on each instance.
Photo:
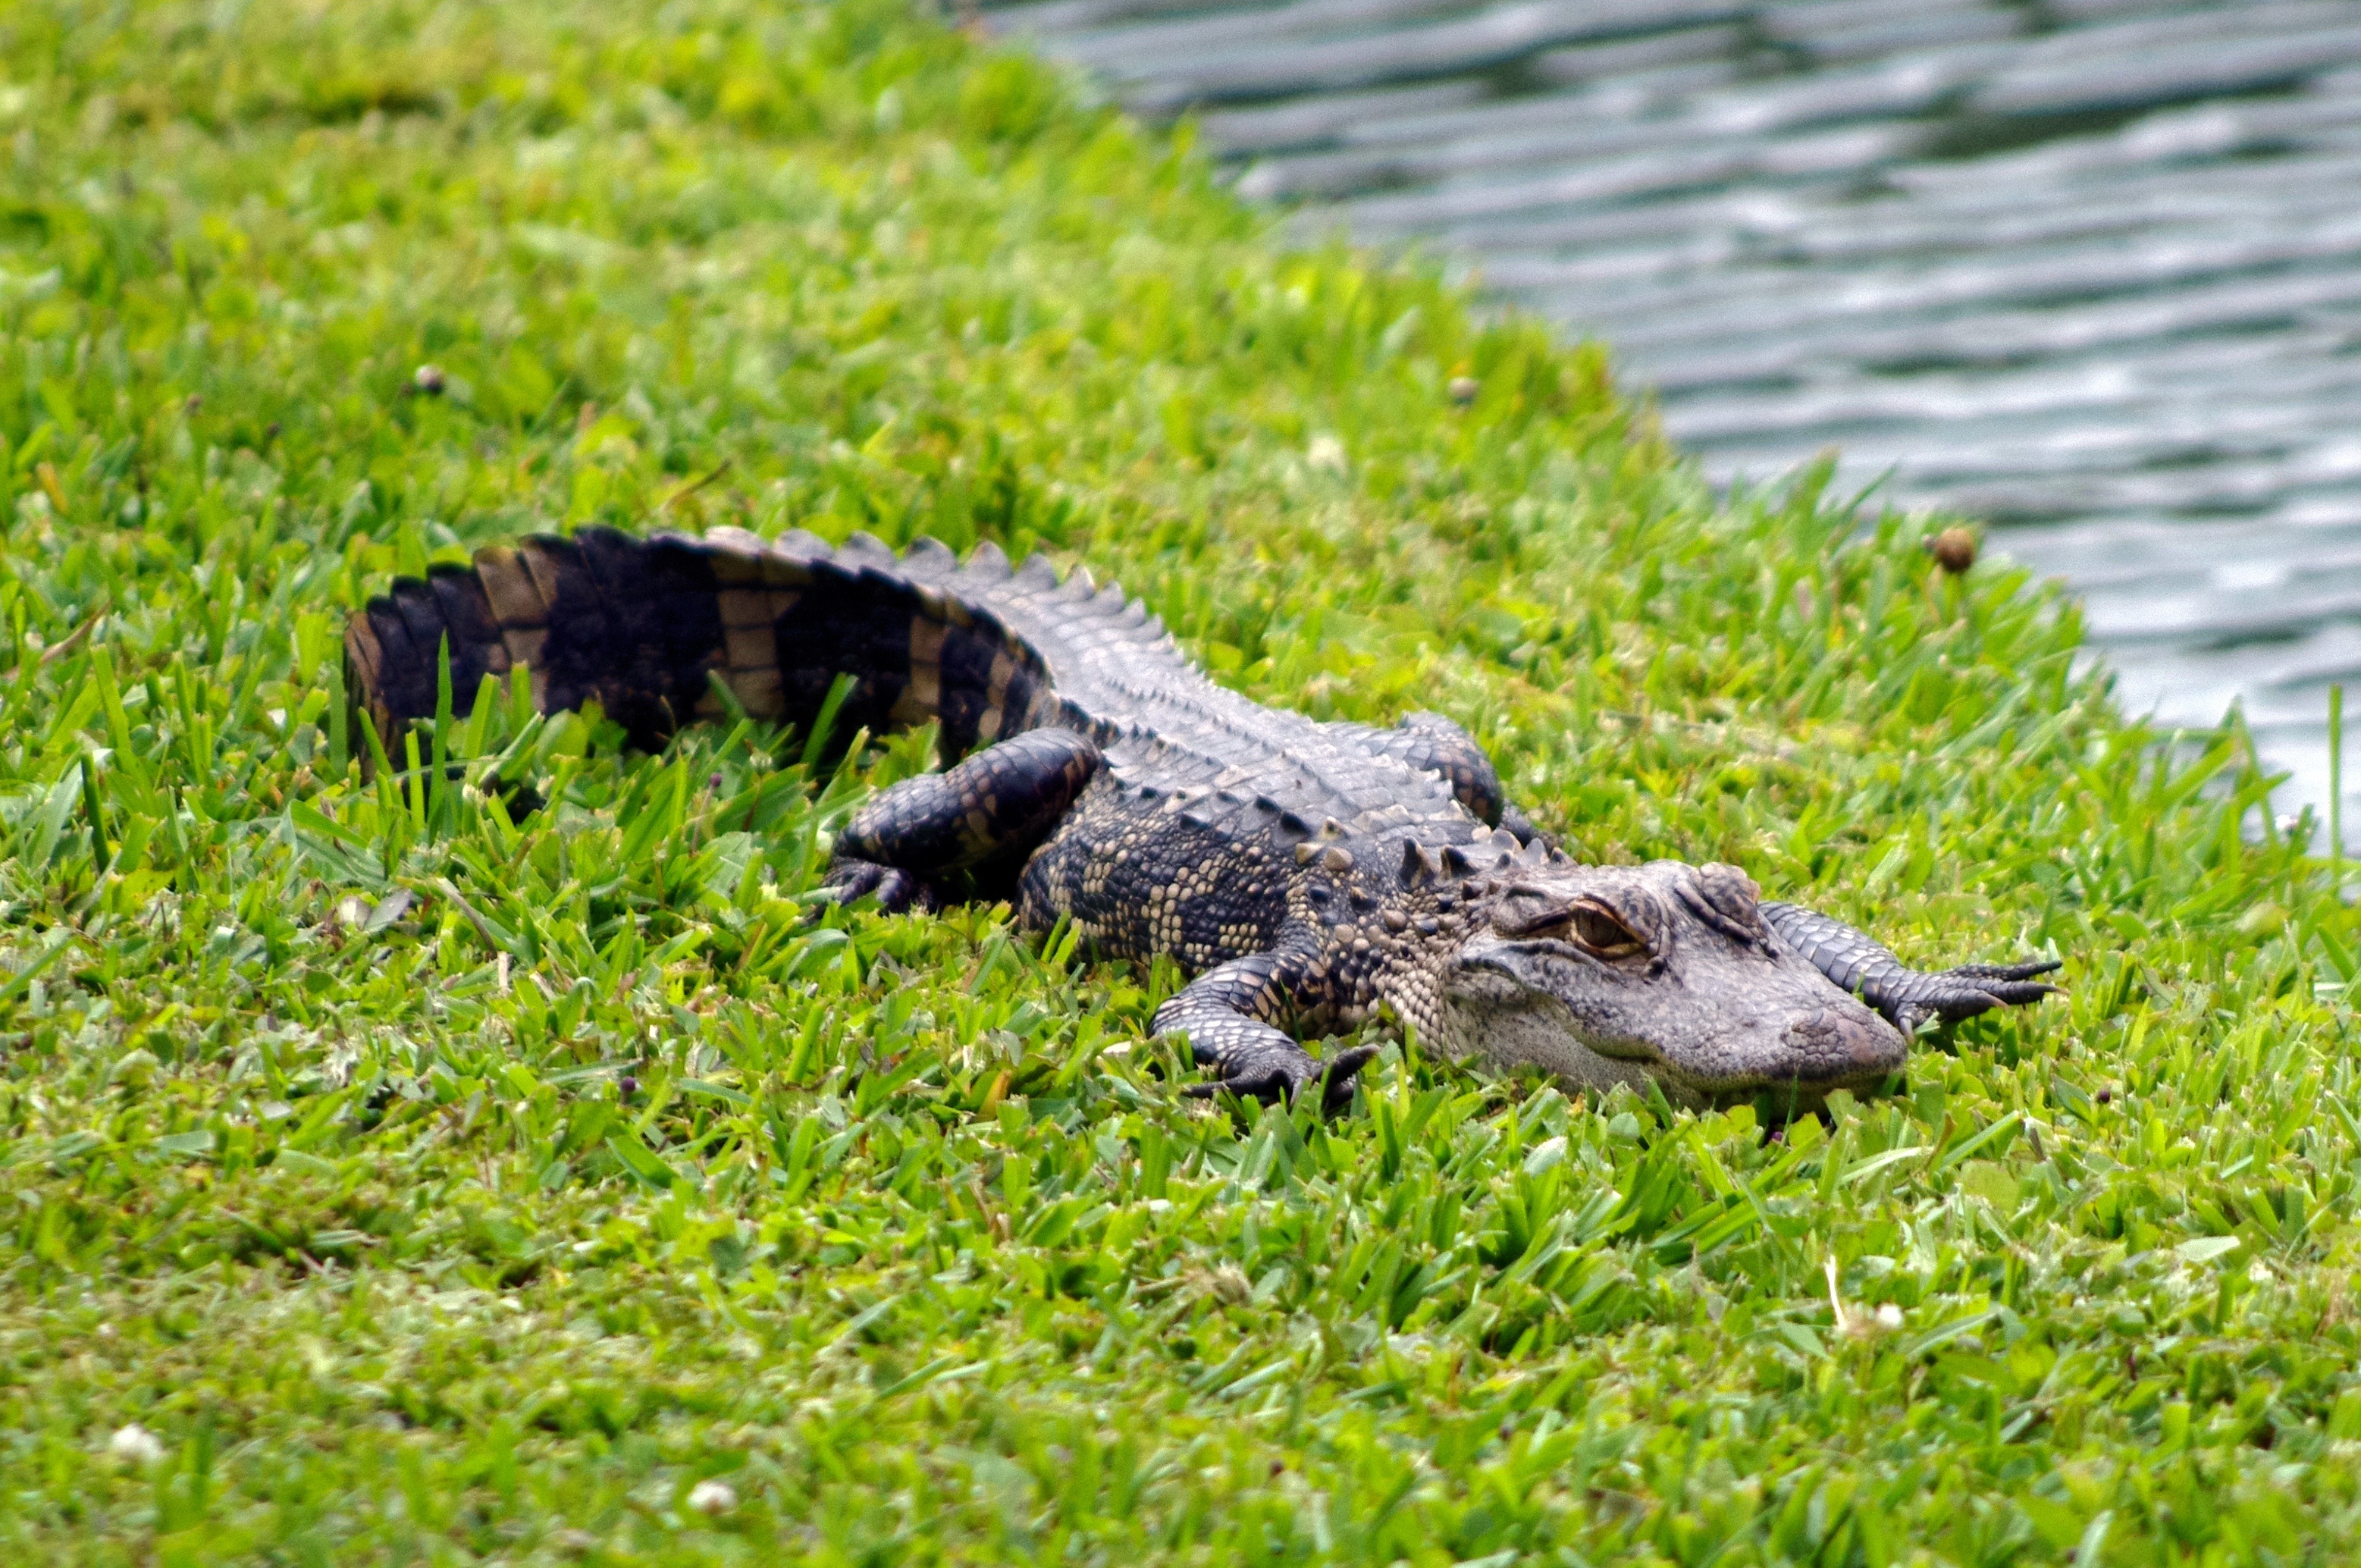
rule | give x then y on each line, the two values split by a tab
1586	923
1603	934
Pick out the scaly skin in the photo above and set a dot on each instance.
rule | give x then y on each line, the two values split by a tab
1306	874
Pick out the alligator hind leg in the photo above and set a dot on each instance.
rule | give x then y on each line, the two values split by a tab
1225	1012
1907	997
993	807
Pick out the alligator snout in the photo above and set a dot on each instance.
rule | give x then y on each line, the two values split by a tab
1835	1045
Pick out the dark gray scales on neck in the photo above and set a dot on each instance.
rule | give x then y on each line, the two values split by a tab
1305	875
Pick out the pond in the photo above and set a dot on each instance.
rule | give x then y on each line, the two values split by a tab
2089	270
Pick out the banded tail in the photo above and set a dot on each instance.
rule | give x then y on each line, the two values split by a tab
645	626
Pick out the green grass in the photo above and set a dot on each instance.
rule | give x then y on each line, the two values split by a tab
433	1186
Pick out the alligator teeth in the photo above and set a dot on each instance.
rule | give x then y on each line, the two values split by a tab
1337	861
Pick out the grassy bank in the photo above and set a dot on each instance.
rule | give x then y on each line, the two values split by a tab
422	1185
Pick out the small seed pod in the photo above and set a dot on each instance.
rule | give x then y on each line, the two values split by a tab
1954	549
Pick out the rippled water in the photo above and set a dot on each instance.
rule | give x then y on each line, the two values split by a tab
2088	268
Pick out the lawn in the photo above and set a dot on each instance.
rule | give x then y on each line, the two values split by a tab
389	1180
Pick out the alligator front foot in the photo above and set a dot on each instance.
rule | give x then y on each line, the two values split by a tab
895	890
1907	997
1272	1071
1223	1013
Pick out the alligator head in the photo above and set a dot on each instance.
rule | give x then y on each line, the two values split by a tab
1666	971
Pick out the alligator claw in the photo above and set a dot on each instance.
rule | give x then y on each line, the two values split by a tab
2025	970
895	890
1287	1079
1340	1072
1265	1086
1952	994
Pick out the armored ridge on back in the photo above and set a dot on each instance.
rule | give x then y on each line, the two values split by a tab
1305	874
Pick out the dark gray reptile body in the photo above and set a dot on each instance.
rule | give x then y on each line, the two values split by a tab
1306	873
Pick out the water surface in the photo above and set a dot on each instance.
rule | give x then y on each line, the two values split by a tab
2090	269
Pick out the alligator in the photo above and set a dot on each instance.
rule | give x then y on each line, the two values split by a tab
1304	875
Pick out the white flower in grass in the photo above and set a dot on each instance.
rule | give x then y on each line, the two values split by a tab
135	1444
1884	1319
713	1498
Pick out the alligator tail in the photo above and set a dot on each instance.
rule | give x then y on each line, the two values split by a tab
648	628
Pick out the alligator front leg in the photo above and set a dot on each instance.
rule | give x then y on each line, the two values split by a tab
1224	1012
995	806
1907	997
